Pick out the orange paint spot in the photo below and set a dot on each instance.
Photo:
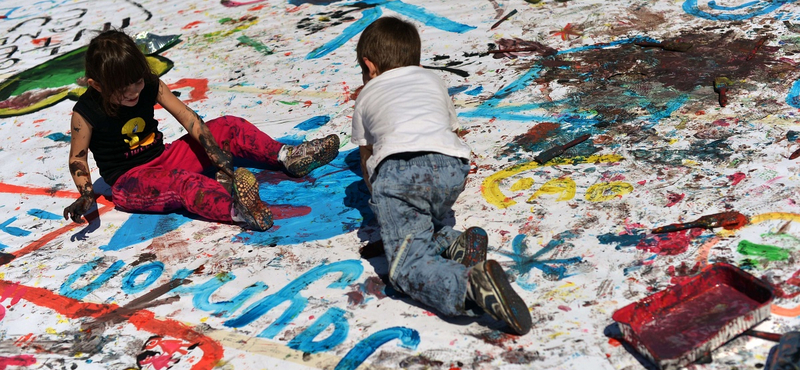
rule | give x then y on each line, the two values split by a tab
700	113
39	120
191	25
307	103
20	174
614	343
428	313
258	7
287	53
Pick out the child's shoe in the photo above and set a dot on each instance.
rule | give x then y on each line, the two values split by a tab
490	289
308	156
247	202
469	248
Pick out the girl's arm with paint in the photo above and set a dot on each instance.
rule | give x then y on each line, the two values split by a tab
196	128
81	134
366	152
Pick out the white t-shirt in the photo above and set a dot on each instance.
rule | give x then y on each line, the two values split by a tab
406	110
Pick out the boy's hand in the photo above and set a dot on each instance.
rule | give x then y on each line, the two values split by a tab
78	208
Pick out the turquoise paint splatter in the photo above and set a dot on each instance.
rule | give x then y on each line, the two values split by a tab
756	8
142	227
153	270
409	338
68	291
57	136
475	91
40	213
456	89
15	231
370	15
367	16
793	98
304	341
524	264
622	241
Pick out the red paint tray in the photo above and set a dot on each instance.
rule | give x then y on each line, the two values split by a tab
677	326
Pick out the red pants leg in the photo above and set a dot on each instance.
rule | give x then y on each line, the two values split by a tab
244	140
174	180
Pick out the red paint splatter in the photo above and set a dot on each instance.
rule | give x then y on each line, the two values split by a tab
683	272
736	177
614	343
700	113
21	360
428	313
536	134
258	7
191	25
564	308
674	198
41	41
721	122
642	182
669	244
307	103
283	211
142	320
199	89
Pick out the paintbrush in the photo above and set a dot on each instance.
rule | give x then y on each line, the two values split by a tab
728	220
721	87
669	45
795	154
515	50
512	12
451	70
546	155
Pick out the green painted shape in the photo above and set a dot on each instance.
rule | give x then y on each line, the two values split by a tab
771	253
261	48
61	71
57	72
289	102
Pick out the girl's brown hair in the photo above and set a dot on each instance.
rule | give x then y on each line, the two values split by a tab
114	61
389	43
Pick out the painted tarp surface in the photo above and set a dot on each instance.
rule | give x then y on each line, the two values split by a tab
691	106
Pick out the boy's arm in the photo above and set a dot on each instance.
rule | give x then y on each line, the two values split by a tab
196	128
366	152
81	135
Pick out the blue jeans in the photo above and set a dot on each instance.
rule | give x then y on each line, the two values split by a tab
412	195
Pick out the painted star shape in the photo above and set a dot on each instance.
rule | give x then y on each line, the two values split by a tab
566	32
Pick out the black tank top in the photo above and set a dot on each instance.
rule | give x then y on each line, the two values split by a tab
124	141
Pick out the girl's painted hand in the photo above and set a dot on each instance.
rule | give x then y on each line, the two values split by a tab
78	208
221	159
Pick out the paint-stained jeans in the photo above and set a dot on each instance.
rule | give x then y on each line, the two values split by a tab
175	179
412	195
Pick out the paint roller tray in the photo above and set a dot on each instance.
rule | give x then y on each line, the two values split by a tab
677	326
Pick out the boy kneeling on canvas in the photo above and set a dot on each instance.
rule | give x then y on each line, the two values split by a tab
416	166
